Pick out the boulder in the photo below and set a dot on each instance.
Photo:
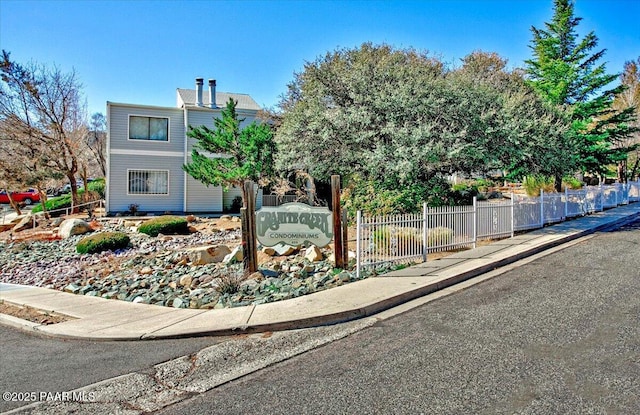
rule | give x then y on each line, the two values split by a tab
284	250
26	222
235	255
350	255
71	227
313	253
208	254
269	251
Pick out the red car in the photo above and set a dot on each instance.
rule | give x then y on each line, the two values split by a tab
28	197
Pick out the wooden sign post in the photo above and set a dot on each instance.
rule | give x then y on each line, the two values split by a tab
338	247
248	219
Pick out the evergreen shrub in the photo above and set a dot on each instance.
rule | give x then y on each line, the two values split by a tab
166	225
102	241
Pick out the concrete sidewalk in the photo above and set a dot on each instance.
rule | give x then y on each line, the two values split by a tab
101	319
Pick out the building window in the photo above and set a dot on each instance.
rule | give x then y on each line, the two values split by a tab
148	182
148	128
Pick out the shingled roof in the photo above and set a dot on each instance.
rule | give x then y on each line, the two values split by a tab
188	97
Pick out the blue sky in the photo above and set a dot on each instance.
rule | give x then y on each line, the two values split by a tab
141	51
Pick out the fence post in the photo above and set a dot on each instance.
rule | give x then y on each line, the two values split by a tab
358	243
424	232
345	237
542	208
566	203
475	221
338	252
513	215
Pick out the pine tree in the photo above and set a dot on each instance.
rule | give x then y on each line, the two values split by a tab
565	71
229	154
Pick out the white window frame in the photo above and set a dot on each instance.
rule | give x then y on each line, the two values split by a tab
148	140
129	171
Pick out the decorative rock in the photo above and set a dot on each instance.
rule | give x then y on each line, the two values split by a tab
208	254
313	253
225	217
185	280
25	223
235	219
258	276
157	271
72	288
191	218
344	276
269	250
235	256
284	250
71	227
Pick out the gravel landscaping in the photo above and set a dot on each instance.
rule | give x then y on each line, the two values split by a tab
163	271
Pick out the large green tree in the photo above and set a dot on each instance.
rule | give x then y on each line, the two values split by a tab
230	154
363	111
567	70
399	117
513	129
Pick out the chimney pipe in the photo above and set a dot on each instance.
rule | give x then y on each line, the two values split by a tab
212	93
199	83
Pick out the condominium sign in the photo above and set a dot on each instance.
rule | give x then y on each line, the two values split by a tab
294	224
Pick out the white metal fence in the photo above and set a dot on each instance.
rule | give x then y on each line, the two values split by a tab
383	240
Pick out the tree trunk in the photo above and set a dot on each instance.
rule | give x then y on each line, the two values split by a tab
85	195
621	170
634	171
13	203
558	183
74	192
43	201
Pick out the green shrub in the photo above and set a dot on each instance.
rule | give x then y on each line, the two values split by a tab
392	198
96	192
439	236
533	184
102	241
571	183
166	225
97	186
462	194
54	203
483	185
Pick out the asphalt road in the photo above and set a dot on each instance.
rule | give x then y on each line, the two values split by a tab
560	335
30	363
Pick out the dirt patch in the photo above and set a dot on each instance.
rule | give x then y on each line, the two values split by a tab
32	314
